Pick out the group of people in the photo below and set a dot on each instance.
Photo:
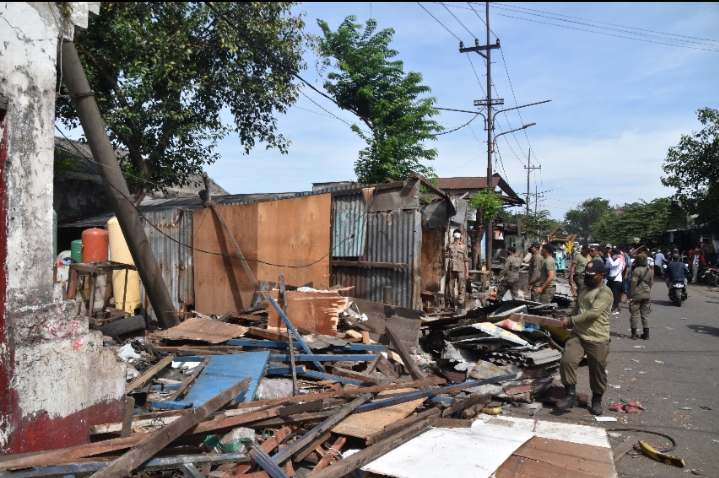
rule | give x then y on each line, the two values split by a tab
695	257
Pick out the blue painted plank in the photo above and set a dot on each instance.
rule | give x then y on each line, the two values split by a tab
278	370
322	358
220	373
278	344
294	332
327	376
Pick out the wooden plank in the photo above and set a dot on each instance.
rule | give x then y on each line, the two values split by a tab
316	311
363	425
204	330
127	418
359	459
570	458
371	265
624	447
235	246
268	445
189	380
385	367
453	423
294	333
344	393
327	376
459	405
234	421
342	372
124	465
320	429
267	334
329	454
311	447
412	367
392	428
149	373
311	357
201	350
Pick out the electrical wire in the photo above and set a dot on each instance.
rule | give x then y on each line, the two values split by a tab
437	20
457	128
195	249
458	21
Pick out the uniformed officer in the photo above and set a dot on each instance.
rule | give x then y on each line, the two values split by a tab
535	264
579	264
546	286
509	278
640	296
459	269
590	335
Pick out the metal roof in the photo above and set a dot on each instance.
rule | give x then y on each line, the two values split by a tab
464	183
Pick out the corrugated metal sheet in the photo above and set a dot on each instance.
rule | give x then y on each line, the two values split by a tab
349	221
175	261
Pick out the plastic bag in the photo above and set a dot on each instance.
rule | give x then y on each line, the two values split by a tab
273	388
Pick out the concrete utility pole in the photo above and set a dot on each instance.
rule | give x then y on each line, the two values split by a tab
83	100
529	169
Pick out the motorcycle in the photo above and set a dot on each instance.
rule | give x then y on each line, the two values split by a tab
710	276
678	292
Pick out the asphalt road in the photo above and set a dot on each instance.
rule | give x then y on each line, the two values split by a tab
681	370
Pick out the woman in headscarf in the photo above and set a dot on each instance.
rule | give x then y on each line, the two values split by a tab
640	296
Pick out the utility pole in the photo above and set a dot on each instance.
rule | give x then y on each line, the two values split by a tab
529	169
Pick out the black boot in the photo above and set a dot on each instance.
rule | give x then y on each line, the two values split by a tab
570	400
645	335
596	408
635	335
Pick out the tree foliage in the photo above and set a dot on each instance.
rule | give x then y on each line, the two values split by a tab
487	202
582	219
164	74
389	102
692	168
636	223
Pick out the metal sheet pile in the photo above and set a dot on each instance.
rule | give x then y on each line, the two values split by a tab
232	395
508	337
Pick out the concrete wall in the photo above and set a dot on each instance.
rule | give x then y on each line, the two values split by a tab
56	379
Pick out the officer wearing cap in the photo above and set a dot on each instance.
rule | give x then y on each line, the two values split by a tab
535	264
544	292
459	268
509	278
590	335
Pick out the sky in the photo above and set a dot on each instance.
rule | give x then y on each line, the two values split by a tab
617	104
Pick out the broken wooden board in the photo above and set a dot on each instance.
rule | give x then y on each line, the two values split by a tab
317	311
405	322
362	425
220	373
203	330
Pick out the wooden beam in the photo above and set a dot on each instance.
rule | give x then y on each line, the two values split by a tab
385	367
189	380
323	427
470	401
311	447
268	445
371	453
624	447
342	372
329	454
430	186
149	373
370	265
390	430
124	465
414	370
127	418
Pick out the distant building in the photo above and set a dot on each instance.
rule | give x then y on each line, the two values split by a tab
470	185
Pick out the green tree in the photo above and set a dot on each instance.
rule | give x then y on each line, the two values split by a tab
692	168
488	203
366	81
164	74
636	223
581	219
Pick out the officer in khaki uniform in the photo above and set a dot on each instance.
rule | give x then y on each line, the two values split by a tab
590	335
535	264
509	278
579	264
639	294
459	269
544	291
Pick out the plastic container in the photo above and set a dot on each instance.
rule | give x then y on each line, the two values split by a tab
76	250
119	252
94	245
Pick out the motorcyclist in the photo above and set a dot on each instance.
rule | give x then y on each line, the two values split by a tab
676	271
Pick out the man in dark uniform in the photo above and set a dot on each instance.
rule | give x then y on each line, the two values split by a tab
544	291
535	264
459	270
509	278
590	335
640	298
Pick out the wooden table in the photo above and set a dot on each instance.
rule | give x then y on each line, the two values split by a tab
93	269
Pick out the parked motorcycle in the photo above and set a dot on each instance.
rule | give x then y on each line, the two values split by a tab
710	276
678	292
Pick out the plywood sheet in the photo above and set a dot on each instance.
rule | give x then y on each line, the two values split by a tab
568	432
316	311
289	236
432	257
451	452
205	330
362	425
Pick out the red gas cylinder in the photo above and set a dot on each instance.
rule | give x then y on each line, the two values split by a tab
94	245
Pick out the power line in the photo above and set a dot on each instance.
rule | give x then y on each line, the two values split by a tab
458	21
435	18
457	128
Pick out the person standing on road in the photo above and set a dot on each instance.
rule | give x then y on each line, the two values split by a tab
659	261
544	293
640	299
535	264
509	278
590	335
615	264
627	272
698	261
576	273
459	267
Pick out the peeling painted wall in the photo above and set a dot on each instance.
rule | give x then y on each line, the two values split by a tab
56	377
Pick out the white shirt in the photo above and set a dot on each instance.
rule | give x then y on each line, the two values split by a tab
615	268
659	259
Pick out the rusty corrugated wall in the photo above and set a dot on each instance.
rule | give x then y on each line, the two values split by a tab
348	225
175	260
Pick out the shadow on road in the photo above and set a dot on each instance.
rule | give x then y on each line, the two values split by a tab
705	329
